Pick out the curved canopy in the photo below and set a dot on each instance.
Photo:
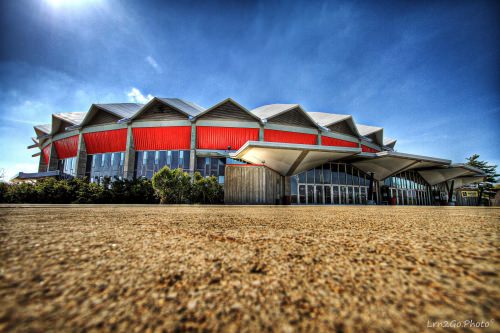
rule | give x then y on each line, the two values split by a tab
387	163
289	159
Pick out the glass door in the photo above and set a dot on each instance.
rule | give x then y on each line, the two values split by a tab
343	195
310	194
318	195
350	195
328	194
335	195
302	194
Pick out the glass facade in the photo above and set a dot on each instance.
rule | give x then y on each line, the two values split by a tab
68	166
406	188
212	166
331	183
105	165
147	163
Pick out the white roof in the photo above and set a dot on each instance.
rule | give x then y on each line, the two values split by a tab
365	130
45	128
74	118
123	110
389	141
271	110
187	107
326	119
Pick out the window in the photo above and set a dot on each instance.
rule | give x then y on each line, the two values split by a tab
157	157
102	160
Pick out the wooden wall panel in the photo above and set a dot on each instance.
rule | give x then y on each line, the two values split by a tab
250	185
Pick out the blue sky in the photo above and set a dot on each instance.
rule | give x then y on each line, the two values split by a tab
428	72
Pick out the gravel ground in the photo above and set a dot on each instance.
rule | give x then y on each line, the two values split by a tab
232	269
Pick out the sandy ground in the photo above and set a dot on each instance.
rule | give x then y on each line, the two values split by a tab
152	268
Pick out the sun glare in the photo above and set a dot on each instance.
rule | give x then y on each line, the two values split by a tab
71	3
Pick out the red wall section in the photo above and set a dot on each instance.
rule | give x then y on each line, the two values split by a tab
327	141
67	147
106	141
289	137
162	138
366	149
208	137
46	153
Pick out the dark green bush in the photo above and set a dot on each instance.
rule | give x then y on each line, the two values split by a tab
172	186
169	186
206	190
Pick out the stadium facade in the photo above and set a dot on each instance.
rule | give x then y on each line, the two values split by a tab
274	154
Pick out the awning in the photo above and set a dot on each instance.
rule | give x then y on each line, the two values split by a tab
23	176
462	181
388	163
438	175
289	159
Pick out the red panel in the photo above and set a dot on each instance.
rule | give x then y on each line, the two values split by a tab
162	138
366	149
289	137
327	141
67	147
106	141
46	153
208	137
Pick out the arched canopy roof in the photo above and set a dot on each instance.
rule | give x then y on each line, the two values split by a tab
387	163
438	175
289	159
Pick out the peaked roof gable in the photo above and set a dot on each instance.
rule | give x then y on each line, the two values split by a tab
372	132
169	108
112	112
288	114
341	123
62	120
228	109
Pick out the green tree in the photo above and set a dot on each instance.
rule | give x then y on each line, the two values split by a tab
172	186
206	190
489	170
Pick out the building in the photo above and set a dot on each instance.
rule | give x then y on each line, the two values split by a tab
274	154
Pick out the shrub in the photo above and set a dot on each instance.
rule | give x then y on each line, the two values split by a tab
22	193
172	186
3	191
206	190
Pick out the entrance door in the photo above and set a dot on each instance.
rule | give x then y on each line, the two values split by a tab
328	194
302	194
310	194
335	195
318	189
343	195
350	195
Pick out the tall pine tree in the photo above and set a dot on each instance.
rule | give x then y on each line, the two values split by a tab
489	170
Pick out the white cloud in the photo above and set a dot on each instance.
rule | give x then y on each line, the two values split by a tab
153	64
12	169
135	96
